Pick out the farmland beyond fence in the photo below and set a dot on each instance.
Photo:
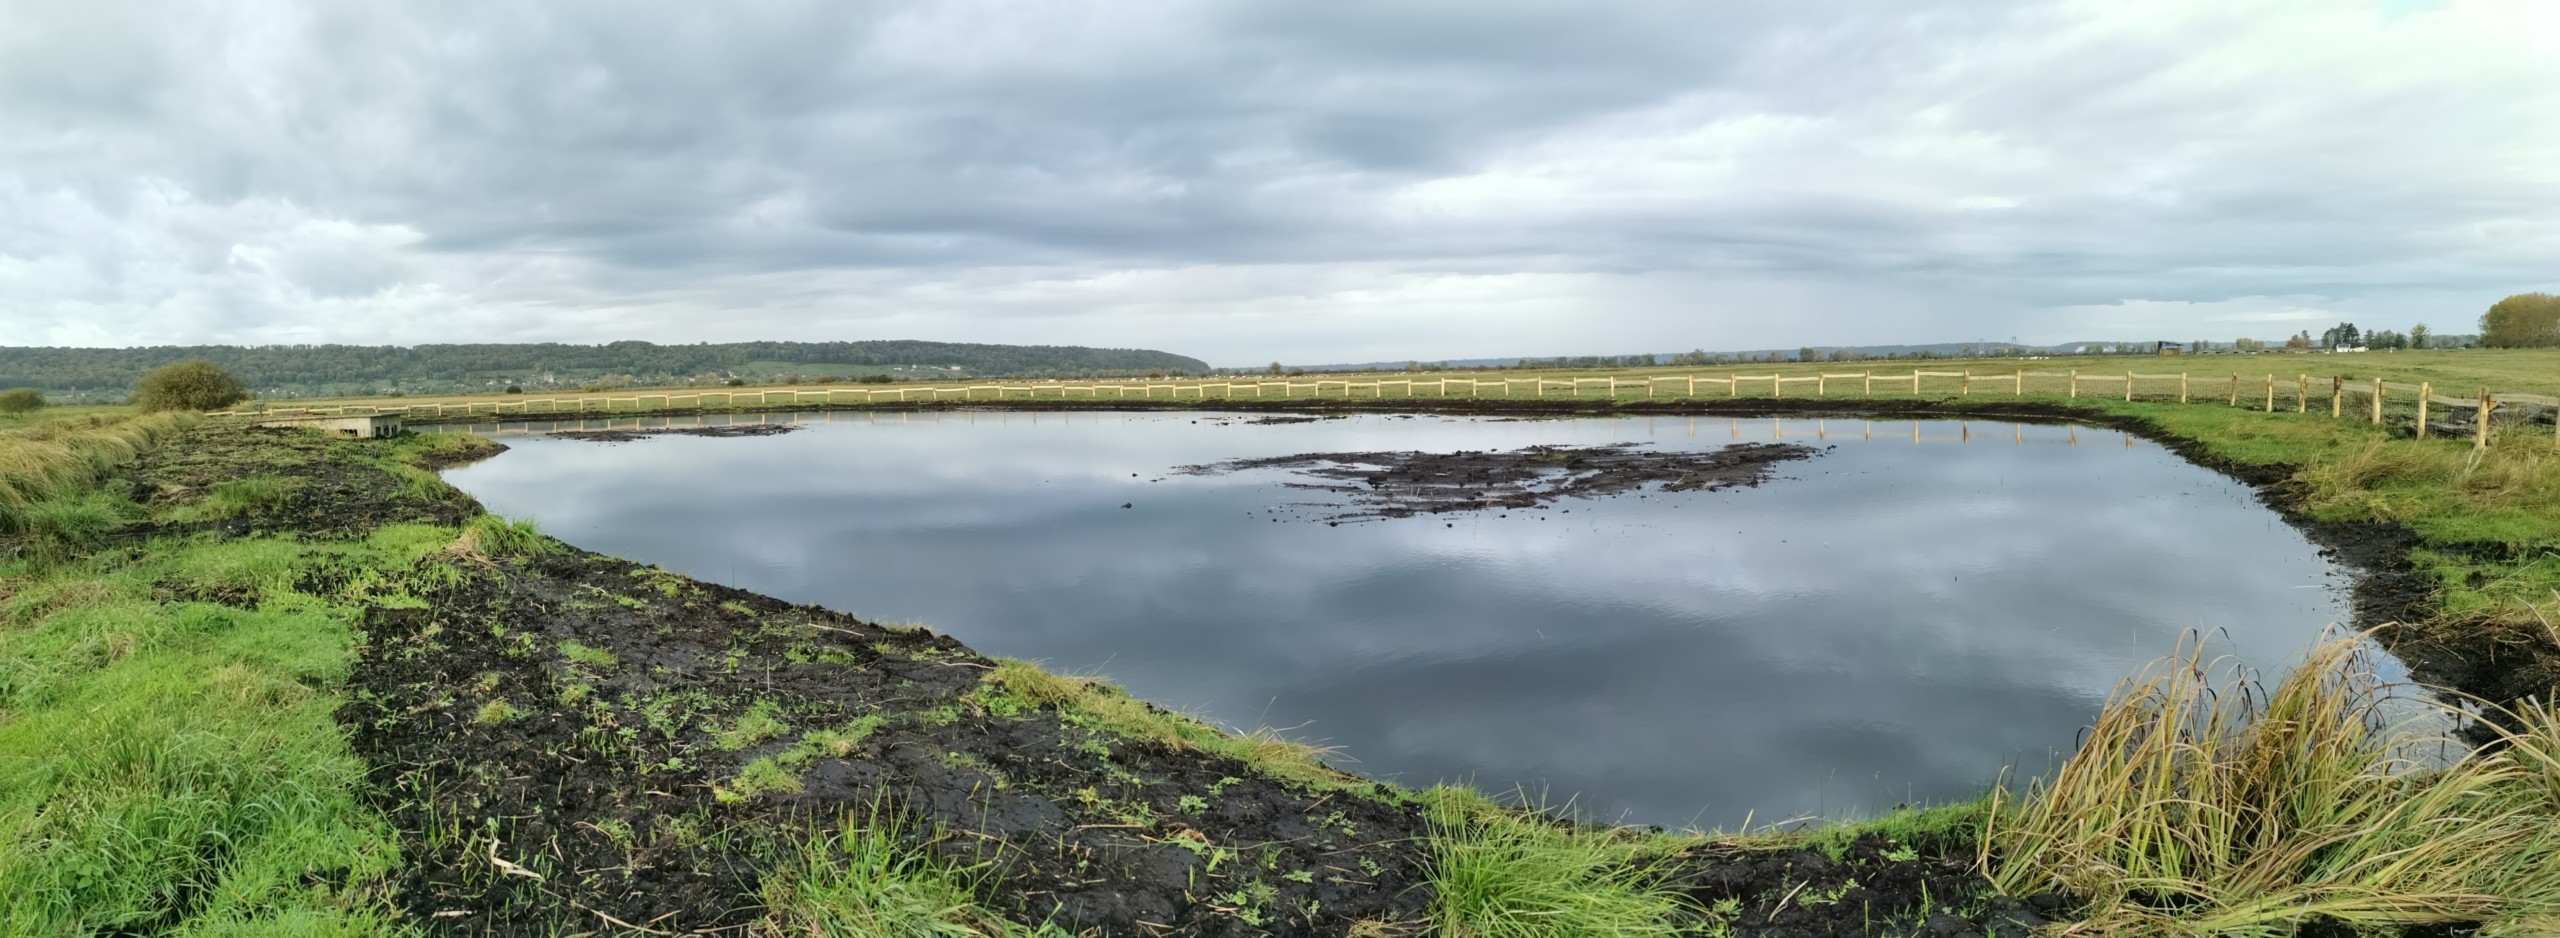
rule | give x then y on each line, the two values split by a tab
2382	402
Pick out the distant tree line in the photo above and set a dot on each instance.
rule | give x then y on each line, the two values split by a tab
310	369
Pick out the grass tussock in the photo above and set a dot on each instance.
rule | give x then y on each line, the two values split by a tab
65	459
868	882
1095	703
489	537
2205	805
1499	873
60	529
243	498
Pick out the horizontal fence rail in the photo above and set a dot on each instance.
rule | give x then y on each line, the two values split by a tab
2380	402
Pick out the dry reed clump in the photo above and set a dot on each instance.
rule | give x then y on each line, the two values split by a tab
65	458
2204	806
489	538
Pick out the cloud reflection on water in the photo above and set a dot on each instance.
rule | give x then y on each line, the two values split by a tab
1887	621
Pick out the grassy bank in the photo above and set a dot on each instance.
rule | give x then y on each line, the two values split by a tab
169	758
284	685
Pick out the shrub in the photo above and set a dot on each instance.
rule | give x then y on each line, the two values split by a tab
874	379
2525	320
20	400
515	389
188	385
737	382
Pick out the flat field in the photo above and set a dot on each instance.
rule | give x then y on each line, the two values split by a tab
2451	372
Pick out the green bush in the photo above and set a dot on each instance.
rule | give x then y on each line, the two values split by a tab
20	400
188	385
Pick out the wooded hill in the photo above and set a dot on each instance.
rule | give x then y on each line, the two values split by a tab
357	369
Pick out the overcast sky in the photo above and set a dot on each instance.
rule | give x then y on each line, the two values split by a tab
1304	180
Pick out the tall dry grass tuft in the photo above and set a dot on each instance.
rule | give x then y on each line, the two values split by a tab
2211	806
65	458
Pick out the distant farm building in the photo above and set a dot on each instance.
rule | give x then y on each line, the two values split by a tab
358	426
2170	348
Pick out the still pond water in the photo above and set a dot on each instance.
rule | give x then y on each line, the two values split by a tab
1891	621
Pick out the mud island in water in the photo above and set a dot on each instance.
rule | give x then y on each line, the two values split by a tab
1403	484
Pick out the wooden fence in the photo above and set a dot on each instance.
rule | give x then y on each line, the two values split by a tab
2374	400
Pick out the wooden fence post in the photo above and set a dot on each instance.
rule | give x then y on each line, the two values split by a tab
2426	391
2075	384
2128	384
1821	384
2235	389
2018	385
1777	386
1870	375
2377	400
2271	393
2182	387
2482	440
2301	394
2337	396
1967	391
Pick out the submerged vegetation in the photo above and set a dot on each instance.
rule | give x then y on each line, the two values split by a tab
263	682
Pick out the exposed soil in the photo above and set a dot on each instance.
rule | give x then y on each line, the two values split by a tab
326	492
1403	484
626	436
612	791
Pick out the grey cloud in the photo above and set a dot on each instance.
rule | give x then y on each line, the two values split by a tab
671	161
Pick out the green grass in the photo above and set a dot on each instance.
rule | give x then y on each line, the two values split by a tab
490	537
1502	873
2530	371
590	656
66	458
1016	685
242	498
169	758
165	755
867	882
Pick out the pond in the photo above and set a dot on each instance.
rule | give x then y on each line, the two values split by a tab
1892	620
